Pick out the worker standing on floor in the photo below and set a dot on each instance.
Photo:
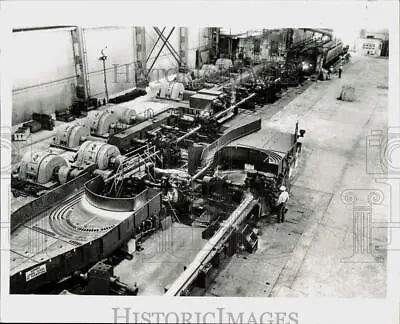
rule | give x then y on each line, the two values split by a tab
340	71
330	72
281	204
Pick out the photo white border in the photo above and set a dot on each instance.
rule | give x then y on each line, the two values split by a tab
247	15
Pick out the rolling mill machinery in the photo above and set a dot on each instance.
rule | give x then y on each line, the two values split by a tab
123	196
239	186
172	129
316	53
78	146
127	169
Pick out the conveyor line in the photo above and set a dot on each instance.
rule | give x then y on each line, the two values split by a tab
212	246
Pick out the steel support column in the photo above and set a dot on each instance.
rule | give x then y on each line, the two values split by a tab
140	51
81	70
183	47
213	41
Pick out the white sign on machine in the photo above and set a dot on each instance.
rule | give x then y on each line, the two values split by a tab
35	272
248	167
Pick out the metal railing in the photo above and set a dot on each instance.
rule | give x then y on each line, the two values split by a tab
210	249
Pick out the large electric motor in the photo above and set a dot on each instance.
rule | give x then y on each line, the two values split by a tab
208	69
100	122
124	114
71	135
102	154
171	90
41	167
224	64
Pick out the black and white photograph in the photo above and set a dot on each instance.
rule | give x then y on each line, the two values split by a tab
201	160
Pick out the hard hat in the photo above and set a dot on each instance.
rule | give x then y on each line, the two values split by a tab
282	188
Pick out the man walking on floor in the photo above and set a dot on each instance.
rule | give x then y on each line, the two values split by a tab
340	71
281	204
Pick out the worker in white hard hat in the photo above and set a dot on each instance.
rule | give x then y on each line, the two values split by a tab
281	204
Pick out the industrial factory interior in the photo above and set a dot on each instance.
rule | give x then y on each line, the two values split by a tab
211	161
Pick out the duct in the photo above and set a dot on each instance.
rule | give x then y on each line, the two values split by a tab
247	128
44	28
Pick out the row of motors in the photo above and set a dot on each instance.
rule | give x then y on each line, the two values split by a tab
100	122
45	166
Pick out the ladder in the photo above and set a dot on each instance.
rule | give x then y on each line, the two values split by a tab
173	211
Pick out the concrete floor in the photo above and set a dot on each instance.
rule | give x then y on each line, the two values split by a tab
306	255
162	260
